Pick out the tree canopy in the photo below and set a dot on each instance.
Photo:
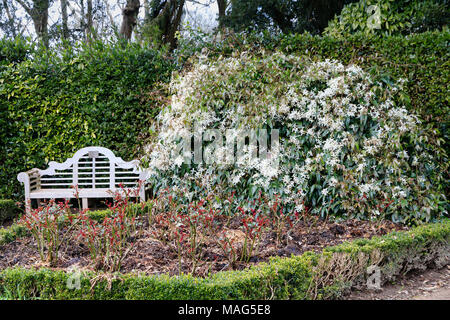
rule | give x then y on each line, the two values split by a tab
159	21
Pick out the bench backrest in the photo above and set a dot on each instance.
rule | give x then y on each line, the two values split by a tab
89	168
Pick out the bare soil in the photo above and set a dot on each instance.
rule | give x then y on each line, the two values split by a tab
151	256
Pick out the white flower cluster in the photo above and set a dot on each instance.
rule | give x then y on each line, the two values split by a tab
341	130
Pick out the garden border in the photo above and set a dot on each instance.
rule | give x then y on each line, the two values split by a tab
296	277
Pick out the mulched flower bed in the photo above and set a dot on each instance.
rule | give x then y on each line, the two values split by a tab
151	256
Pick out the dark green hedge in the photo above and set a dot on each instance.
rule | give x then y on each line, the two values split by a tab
282	278
54	103
8	210
14	51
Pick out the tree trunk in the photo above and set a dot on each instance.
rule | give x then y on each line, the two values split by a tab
40	20
89	21
39	15
175	23
168	20
222	4
65	27
129	20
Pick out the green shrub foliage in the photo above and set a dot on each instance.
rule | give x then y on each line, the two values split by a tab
56	103
346	148
421	59
386	17
8	209
11	233
14	51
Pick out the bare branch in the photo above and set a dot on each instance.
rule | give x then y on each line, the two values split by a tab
200	3
25	6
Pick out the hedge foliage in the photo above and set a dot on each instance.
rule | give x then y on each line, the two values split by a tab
8	209
11	233
14	51
383	17
297	277
133	209
54	103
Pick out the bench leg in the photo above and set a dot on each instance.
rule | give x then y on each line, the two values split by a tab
85	203
27	205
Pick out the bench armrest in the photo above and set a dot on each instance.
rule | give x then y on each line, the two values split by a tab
25	177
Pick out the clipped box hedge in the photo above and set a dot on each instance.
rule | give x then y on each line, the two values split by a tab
297	277
11	233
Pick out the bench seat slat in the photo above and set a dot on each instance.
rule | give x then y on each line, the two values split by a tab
70	185
69	193
58	174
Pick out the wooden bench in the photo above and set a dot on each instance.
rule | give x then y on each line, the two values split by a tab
94	171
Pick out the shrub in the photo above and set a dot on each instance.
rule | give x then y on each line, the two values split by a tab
11	233
99	215
419	58
108	242
8	210
386	17
347	147
14	51
57	102
45	225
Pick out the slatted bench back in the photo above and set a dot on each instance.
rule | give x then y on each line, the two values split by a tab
35	182
89	168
